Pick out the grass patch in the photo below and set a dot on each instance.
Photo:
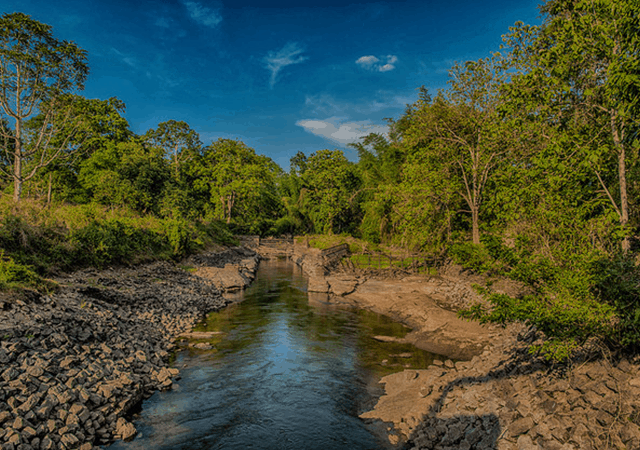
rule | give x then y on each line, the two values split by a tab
37	241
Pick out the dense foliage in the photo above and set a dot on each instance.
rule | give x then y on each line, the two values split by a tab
526	167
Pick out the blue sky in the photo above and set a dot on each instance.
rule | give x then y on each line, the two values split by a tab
281	76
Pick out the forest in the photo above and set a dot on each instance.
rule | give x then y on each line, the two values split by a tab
526	166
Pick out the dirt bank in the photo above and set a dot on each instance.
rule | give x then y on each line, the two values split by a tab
500	396
73	363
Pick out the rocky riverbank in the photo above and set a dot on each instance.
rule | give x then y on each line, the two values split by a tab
508	399
498	396
74	362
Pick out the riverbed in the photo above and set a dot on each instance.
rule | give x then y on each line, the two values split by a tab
284	371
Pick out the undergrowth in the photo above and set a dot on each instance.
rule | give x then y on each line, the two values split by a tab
590	295
36	241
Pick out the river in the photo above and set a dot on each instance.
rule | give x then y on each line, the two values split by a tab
287	371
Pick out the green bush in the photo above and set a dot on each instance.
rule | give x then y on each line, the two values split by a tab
14	275
617	283
181	236
113	241
562	317
471	256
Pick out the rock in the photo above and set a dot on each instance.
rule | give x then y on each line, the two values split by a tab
47	444
525	443
449	364
201	334
4	416
390	339
203	346
342	286
318	284
125	430
69	440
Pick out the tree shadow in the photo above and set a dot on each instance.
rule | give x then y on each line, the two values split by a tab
473	431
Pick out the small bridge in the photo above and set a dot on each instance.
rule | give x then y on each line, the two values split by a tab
268	246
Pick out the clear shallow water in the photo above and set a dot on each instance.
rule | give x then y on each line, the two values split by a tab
288	371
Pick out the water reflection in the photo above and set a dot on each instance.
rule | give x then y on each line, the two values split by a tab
285	373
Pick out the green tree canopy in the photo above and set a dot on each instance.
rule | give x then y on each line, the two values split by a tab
36	69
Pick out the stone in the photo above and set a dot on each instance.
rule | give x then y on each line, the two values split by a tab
635	382
29	433
18	423
4	416
521	426
35	371
526	443
46	444
318	284
449	364
203	346
125	430
69	440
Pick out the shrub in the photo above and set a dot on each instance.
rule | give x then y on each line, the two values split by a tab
14	275
471	256
617	283
113	241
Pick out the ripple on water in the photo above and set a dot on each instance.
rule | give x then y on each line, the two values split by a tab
285	374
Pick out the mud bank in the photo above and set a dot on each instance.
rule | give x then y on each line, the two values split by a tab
74	363
498	395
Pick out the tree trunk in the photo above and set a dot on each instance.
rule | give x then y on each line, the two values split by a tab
475	225
175	162
230	202
17	165
622	179
49	189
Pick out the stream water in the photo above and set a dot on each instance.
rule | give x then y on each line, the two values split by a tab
288	371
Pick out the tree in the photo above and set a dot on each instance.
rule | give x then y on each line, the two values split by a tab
585	58
35	71
178	140
96	123
380	166
463	131
237	181
328	182
128	174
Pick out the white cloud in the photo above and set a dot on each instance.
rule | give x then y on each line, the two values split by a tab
277	60
386	68
374	64
367	62
202	14
334	129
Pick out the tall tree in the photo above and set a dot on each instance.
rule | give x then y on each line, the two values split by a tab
96	123
179	142
36	70
586	60
236	180
462	128
329	181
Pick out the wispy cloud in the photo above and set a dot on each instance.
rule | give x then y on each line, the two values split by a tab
162	22
342	132
128	60
375	64
326	105
202	14
288	55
